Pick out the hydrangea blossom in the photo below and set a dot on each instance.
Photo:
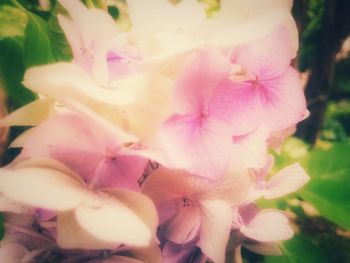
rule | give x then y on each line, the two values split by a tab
153	152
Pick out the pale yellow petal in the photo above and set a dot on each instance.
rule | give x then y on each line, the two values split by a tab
42	187
31	114
112	221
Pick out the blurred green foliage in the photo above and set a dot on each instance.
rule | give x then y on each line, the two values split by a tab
311	34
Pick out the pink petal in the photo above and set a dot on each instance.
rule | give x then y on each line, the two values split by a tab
184	226
238	104
167	210
12	253
261	173
200	145
268	226
89	146
120	171
165	185
289	180
215	229
251	149
282	101
198	80
173	253
268	57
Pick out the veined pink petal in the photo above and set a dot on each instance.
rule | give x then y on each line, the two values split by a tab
198	144
198	80
282	100
215	228
122	171
88	145
238	104
268	57
289	180
268	226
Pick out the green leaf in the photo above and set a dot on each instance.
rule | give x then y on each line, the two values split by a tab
329	187
37	44
45	41
11	72
298	250
61	49
12	21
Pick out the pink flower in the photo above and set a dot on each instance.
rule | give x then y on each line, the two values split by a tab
191	207
105	53
90	146
193	139
99	219
266	91
258	230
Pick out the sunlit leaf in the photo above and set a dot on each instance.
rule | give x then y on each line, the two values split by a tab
329	187
12	21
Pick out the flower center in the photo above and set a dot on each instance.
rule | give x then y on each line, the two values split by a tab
187	202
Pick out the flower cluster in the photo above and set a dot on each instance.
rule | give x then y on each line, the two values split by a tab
151	145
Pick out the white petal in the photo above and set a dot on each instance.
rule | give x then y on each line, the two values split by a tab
244	21
68	80
112	221
109	130
268	226
42	187
289	180
141	204
67	224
